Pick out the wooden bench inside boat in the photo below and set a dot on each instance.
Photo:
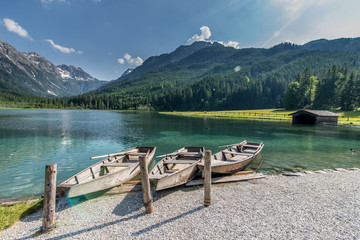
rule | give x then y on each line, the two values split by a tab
128	164
237	153
180	161
136	154
192	154
250	146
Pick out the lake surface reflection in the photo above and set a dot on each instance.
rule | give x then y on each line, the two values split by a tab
30	139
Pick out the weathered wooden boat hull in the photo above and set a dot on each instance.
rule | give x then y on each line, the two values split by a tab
91	179
237	161
177	179
231	168
160	181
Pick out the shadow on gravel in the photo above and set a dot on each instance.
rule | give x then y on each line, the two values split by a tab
152	227
73	234
133	201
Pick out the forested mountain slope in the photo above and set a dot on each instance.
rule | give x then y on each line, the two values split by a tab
219	77
206	76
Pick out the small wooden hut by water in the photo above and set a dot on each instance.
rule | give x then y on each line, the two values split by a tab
315	117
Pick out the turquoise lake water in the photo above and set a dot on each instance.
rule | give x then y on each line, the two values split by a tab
30	139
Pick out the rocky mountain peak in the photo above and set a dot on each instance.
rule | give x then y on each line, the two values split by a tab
74	72
34	74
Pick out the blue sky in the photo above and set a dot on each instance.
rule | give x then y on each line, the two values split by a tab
105	37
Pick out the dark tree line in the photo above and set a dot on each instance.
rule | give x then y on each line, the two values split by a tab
337	88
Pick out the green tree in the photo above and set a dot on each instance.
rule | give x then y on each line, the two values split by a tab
292	96
347	96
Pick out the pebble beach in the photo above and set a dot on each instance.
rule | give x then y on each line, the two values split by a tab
310	205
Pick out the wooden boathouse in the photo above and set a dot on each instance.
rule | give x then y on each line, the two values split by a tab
315	117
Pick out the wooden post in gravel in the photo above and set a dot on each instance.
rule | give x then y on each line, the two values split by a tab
207	179
145	184
48	217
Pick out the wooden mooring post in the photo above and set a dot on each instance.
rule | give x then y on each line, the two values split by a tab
145	184
207	179
48	217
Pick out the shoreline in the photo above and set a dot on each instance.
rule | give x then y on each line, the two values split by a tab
262	115
323	204
286	172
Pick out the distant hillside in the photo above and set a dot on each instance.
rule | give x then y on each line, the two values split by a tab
218	77
164	59
342	44
33	74
205	76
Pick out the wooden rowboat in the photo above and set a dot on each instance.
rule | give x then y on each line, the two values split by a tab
176	168
234	157
115	169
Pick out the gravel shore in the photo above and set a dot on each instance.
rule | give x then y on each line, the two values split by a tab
313	205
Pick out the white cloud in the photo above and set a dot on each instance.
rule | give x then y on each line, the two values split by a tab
132	61
13	26
205	34
61	48
233	44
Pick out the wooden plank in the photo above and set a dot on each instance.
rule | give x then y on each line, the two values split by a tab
192	154
251	146
243	172
230	145
231	178
137	154
114	154
180	161
237	153
118	164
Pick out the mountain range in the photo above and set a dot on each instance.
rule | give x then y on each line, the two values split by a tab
203	75
35	75
188	64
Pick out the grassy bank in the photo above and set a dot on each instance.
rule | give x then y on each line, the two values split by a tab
11	214
348	118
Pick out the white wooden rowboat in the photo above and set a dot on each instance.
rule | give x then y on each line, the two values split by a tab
234	157
176	168
112	171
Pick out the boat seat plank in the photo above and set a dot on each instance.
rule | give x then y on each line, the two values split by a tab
118	164
237	153
136	154
180	161
189	154
251	146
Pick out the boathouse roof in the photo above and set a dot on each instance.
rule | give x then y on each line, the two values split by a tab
321	113
315	117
